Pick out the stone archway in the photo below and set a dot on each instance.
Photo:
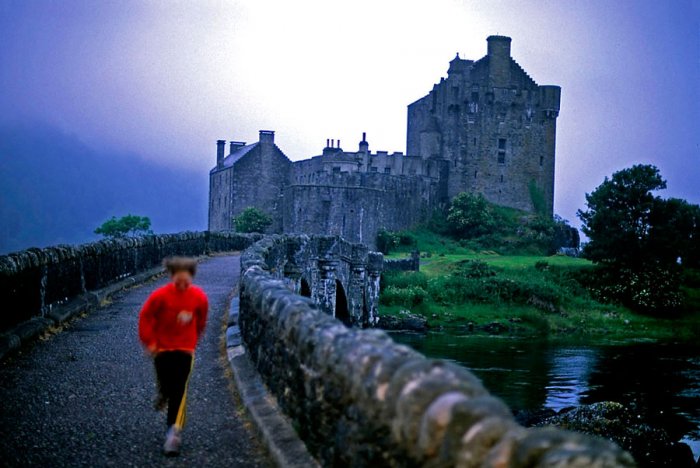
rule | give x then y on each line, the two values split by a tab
305	289
342	312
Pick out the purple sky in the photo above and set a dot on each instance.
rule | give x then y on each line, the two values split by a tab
165	79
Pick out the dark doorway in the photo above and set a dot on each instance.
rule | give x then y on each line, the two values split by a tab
305	289
341	304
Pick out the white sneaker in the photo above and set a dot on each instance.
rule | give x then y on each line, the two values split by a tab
171	447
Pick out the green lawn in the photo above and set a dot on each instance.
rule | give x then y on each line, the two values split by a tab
572	310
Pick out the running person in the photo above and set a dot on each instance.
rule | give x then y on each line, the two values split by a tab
170	324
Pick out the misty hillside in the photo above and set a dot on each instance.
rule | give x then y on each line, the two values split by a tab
54	189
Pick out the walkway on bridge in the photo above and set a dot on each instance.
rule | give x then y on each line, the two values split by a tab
84	397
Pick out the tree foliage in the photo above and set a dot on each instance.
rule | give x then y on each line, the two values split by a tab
470	216
252	220
126	226
618	218
641	239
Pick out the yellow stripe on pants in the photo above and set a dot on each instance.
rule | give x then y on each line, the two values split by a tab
182	410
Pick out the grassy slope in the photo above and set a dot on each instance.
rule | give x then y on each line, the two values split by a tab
578	314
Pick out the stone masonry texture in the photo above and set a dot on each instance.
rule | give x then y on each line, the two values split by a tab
358	399
44	279
487	128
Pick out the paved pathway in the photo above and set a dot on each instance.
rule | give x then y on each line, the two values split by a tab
84	397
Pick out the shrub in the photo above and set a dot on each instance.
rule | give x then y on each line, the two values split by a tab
474	269
407	239
407	297
653	290
387	241
252	220
470	216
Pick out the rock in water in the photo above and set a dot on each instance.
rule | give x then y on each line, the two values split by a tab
404	320
648	445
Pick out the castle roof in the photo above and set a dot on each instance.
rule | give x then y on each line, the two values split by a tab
231	159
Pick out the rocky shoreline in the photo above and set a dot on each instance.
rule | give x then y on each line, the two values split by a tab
651	446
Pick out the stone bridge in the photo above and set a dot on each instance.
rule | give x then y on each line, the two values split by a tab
353	396
340	277
358	399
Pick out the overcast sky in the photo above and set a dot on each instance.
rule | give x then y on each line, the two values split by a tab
165	79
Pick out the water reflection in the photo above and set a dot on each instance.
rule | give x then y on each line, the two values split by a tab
569	375
661	382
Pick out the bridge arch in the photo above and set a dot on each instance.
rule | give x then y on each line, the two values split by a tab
342	311
304	288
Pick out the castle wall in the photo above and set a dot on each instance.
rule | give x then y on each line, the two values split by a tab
220	199
357	206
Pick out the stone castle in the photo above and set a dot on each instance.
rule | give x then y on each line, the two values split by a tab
487	128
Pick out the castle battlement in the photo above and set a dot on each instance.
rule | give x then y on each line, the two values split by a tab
486	128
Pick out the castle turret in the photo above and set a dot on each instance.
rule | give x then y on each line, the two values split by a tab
220	149
550	97
499	61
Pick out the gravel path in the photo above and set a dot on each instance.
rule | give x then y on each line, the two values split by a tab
84	396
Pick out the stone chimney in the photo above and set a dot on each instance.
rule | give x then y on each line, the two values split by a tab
364	146
235	145
499	61
220	148
267	136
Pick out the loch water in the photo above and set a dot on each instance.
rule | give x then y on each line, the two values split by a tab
659	381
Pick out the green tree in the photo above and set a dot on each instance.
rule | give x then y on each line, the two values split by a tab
674	235
252	220
640	239
126	226
618	218
470	216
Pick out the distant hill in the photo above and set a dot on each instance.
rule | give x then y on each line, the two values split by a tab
54	189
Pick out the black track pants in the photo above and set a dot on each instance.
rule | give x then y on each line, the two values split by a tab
173	370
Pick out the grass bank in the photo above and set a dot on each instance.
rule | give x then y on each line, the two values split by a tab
537	295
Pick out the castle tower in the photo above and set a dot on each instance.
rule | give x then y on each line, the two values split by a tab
494	129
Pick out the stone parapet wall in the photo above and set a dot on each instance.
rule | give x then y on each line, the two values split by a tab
358	399
411	263
37	280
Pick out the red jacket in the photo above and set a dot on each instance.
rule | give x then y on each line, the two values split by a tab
173	320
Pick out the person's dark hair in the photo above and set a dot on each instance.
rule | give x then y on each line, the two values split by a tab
175	264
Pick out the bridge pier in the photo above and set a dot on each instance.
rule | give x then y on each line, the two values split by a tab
325	291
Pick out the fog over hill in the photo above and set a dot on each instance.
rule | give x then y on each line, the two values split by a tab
55	189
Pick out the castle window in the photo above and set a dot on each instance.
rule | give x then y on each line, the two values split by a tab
501	178
541	161
501	151
336	169
474	141
475	173
475	96
387	170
